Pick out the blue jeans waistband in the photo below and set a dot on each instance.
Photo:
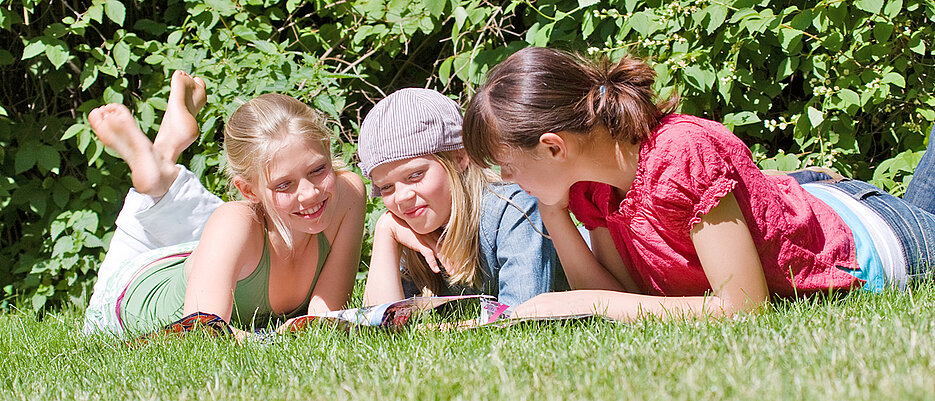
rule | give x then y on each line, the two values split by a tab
914	227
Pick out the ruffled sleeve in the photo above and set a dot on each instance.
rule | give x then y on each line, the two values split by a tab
589	201
689	174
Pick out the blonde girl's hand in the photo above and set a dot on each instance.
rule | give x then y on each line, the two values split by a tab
425	244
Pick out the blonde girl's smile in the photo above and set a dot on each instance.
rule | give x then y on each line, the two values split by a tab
313	212
301	184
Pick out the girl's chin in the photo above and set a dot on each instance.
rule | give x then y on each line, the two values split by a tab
423	229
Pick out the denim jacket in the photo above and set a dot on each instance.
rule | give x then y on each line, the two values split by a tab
517	261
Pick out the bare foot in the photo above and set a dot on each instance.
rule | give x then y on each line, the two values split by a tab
178	128
116	129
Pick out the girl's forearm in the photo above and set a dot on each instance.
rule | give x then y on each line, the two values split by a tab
622	306
582	268
384	283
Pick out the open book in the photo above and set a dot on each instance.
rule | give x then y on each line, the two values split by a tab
390	316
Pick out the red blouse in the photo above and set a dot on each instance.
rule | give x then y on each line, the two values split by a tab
685	168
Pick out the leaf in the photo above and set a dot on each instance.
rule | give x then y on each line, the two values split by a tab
543	34
63	246
56	228
33	49
786	67
460	16
47	158
6	58
815	116
88	75
916	44
122	54
717	13
642	23
435	7
882	31
25	158
895	79
790	39
870	6
742	118
587	3
444	70
115	10
849	97
96	12
892	8
266	47
83	220
223	7
699	78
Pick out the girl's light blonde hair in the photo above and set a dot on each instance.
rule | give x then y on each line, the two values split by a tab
257	130
460	240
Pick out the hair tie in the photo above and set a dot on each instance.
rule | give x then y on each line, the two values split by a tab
602	89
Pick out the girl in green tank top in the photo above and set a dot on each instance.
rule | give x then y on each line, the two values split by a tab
179	249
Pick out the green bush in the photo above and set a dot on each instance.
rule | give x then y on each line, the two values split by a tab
841	84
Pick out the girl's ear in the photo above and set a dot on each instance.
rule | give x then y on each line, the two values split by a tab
246	189
461	159
553	145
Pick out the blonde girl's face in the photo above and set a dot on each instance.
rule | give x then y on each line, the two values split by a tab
301	186
417	190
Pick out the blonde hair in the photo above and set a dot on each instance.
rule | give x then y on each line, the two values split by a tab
257	130
460	240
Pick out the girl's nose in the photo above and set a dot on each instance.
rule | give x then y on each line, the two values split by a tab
405	192
307	190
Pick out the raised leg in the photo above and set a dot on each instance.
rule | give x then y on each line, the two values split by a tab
921	191
179	128
150	172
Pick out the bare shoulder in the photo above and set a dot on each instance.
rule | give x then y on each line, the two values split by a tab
232	241
352	182
241	212
235	218
350	197
350	190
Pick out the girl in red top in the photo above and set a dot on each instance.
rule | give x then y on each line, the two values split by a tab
682	222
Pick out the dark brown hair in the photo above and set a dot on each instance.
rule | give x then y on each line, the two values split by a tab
538	90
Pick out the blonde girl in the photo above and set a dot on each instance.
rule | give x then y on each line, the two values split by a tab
450	227
291	247
682	222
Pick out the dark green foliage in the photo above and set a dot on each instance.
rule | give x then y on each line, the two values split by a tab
844	84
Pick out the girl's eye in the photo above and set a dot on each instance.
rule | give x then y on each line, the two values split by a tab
281	186
416	176
386	189
319	169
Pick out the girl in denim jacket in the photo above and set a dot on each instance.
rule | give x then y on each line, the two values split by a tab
682	223
451	227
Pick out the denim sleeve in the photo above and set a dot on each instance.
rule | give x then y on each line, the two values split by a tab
522	262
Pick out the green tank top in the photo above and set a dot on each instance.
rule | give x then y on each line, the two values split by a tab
156	296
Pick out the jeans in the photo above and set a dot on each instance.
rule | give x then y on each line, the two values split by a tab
914	227
912	218
921	191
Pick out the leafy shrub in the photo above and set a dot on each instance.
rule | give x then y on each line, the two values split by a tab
841	84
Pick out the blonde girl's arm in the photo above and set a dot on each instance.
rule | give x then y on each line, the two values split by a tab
601	270
730	262
340	269
384	283
231	240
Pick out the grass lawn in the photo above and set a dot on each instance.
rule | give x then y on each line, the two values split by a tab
860	346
